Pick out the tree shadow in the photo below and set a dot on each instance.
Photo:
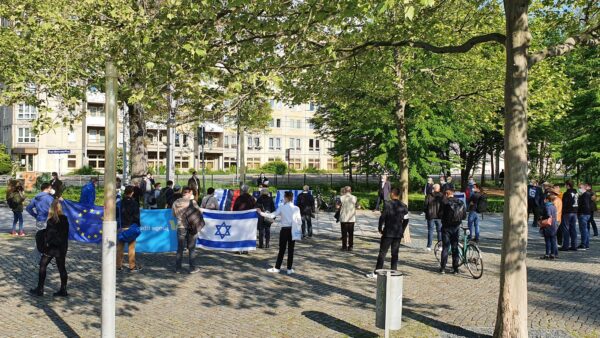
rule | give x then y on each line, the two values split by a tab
338	325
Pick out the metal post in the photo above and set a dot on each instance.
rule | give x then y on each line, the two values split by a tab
202	138
109	225
237	151
171	137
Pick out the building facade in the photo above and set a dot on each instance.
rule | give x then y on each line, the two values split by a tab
65	149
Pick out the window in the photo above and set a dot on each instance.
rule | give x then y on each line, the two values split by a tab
311	106
26	162
253	162
182	162
4	110
4	22
177	139
278	123
272	123
229	162
96	159
26	136
26	112
298	124
295	163
96	135
72	161
257	143
314	163
313	145
249	145
71	136
295	143
185	140
278	143
95	109
332	164
226	142
271	143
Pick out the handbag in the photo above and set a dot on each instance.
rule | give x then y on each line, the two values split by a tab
296	227
129	235
545	223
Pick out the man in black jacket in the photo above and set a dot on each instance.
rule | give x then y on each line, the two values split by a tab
130	214
584	212
535	201
383	193
569	218
306	203
433	205
453	212
392	223
56	184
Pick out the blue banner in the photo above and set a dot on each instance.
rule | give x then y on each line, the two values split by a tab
159	231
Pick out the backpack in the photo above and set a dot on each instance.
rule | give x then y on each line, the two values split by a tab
455	212
193	219
12	204
161	201
482	204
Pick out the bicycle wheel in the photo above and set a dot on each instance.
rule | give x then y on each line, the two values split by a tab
474	261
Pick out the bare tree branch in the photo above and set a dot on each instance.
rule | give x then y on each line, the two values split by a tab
589	38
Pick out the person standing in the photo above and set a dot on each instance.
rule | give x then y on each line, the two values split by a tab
535	201
584	213
57	185
392	223
453	213
569	218
147	187
176	195
210	201
40	206
592	222
130	214
186	236
194	184
15	196
433	206
501	178
165	195
443	183
306	203
154	195
549	226
88	193
449	185
473	220
383	194
262	181
265	204
244	202
428	189
54	244
290	216
558	205
347	219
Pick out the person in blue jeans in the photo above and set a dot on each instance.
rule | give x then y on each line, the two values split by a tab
433	207
584	212
569	218
549	230
473	220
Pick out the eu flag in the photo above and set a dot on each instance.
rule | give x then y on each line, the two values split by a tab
85	222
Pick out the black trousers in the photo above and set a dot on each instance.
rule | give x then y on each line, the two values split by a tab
285	239
450	238
307	226
264	235
384	246
60	264
537	213
347	234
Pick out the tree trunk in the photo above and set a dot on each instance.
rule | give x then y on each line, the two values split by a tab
483	168
511	320
492	171
399	111
137	140
498	150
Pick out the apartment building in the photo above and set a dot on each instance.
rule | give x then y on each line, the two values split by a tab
64	149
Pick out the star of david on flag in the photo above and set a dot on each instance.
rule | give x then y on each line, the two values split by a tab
85	222
228	230
220	230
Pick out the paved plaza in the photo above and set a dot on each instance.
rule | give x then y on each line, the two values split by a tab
329	296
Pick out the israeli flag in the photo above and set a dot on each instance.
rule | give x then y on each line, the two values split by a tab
279	197
228	230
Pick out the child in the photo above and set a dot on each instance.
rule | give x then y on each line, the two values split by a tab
548	227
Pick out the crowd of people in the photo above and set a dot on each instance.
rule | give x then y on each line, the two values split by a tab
554	212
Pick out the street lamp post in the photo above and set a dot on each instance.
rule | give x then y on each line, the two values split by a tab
171	137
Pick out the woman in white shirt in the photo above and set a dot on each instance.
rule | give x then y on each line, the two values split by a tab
290	215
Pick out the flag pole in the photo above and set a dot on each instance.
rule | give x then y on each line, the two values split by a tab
109	224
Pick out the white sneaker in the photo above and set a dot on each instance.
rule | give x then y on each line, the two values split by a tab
290	271
428	249
273	270
371	275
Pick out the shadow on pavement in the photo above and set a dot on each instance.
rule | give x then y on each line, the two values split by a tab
337	325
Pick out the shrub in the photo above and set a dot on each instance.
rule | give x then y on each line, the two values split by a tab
85	170
275	167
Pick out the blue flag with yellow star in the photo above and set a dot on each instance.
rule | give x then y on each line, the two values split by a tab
85	222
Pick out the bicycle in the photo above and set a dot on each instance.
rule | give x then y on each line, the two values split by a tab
469	254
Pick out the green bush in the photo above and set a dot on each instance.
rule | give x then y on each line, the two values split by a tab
5	162
85	170
312	170
275	167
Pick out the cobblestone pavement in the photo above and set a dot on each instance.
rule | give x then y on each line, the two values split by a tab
329	296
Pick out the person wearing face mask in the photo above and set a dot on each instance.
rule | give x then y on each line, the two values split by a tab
186	236
584	212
